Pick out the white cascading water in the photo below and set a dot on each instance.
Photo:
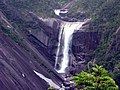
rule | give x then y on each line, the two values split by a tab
68	28
57	12
59	46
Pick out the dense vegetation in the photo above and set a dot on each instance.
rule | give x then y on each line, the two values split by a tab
63	2
105	19
43	8
10	33
89	6
97	79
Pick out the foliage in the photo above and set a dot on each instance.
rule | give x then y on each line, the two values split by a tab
105	19
10	33
51	88
88	6
98	79
43	8
63	2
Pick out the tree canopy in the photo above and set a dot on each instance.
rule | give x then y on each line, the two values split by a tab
97	79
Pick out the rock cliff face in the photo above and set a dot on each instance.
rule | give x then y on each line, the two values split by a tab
17	63
45	38
29	26
16	68
84	43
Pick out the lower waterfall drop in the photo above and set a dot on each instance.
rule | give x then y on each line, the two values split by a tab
68	29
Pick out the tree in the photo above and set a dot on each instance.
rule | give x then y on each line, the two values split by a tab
97	79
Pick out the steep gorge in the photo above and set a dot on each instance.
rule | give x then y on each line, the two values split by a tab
37	43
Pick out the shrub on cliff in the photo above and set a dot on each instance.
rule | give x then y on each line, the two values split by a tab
51	88
97	79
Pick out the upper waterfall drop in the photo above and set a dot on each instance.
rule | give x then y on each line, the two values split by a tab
68	29
59	11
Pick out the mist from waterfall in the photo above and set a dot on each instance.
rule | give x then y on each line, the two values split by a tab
68	29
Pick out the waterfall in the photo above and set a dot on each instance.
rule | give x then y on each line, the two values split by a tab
59	47
58	11
68	29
